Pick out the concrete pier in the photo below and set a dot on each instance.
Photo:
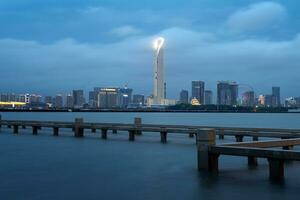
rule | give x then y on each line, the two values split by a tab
252	161
15	129
93	130
131	135
191	135
239	138
163	137
79	130
34	130
114	131
255	138
55	131
23	127
8	126
221	134
137	122
205	139
276	169
104	134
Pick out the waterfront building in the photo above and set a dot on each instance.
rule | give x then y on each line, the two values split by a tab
198	91
48	100
227	93
195	102
276	94
58	102
138	99
107	97
92	99
208	97
69	101
78	98
125	97
248	98
184	96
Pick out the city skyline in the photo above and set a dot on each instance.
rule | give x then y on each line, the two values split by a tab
261	52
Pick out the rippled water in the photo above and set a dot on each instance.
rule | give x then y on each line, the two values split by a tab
64	167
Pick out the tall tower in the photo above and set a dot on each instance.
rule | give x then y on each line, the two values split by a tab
159	88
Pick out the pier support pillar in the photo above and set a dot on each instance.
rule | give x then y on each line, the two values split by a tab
191	135
23	127
34	130
221	134
79	130
16	129
239	138
276	168
114	131
131	134
163	137
104	134
8	126
252	161
55	131
288	147
206	160
255	138
137	123
93	130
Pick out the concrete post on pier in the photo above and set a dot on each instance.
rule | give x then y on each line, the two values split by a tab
138	122
239	138
55	131
79	130
191	135
252	161
163	137
16	129
255	138
93	130
8	126
131	134
23	127
276	168
34	130
221	134
104	134
206	160
114	131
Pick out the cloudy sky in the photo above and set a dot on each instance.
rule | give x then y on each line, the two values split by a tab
51	46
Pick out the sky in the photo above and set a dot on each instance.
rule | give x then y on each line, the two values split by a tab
54	46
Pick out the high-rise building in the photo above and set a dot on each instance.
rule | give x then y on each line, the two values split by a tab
108	97
267	100
48	100
69	101
227	93
159	83
198	91
138	99
93	99
78	98
276	94
125	97
58	103
208	97
184	96
248	98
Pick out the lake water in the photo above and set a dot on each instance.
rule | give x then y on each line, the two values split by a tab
46	167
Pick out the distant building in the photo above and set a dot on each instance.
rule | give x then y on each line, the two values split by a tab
35	98
198	91
138	99
248	98
69	101
184	96
276	94
267	100
227	93
108	97
58	102
208	97
195	102
291	102
48	100
93	99
78	98
125	97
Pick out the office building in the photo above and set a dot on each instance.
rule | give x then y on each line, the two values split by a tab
107	98
276	94
248	98
159	83
58	102
125	97
208	97
198	91
227	93
184	96
78	98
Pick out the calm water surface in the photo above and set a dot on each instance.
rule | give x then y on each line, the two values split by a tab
46	167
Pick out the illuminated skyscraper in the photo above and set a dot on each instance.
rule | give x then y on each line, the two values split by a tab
159	84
